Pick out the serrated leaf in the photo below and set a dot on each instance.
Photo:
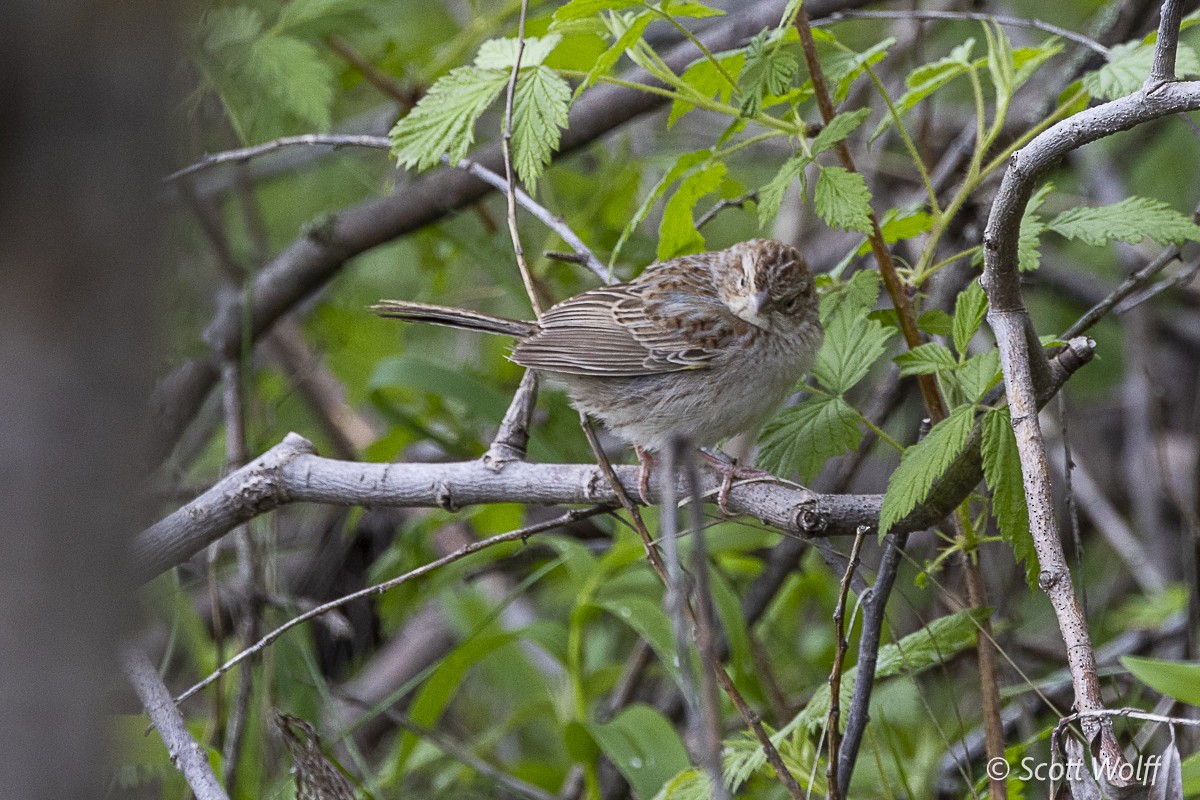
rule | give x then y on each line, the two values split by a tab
770	196
1002	473
843	200
1128	68
1029	257
677	234
838	129
443	122
540	104
926	359
225	27
578	9
768	71
501	53
927	79
844	66
801	438
922	464
977	375
969	311
1131	220
855	298
853	343
292	72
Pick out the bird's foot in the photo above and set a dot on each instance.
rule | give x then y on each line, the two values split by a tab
646	462
730	471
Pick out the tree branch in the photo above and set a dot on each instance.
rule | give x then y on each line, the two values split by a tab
186	753
1010	322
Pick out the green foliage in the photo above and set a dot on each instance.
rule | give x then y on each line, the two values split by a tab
843	200
1032	227
923	463
443	122
770	196
1002	472
677	234
1128	68
1177	679
838	129
769	70
927	79
1131	220
803	437
643	745
969	311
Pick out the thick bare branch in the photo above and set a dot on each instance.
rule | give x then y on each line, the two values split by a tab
1010	322
186	753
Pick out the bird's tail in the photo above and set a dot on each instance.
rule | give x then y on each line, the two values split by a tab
453	317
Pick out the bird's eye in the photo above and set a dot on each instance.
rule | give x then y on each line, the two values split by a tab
741	281
791	305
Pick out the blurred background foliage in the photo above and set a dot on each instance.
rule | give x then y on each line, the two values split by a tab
512	653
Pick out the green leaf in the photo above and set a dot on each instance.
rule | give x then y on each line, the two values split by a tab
684	164
927	79
644	747
578	9
1027	60
855	297
1177	679
838	129
1032	228
689	8
677	234
443	122
843	200
1000	65
922	464
705	78
298	79
1130	220
977	375
935	321
926	359
802	437
501	53
1002	473
1128	68
770	196
627	31
900	224
844	66
768	71
540	104
853	343
481	399
229	27
969	311
304	17
647	619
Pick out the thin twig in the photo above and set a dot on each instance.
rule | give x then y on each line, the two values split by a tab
721	205
186	753
934	404
520	534
509	175
403	95
833	722
245	154
998	19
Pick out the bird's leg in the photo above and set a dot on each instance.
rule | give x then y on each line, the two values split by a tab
646	460
729	469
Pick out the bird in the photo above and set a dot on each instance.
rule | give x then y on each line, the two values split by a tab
701	346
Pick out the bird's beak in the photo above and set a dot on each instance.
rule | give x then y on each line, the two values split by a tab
757	303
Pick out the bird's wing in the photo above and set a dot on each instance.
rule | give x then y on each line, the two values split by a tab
664	322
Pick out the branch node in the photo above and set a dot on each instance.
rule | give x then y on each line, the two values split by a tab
444	497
